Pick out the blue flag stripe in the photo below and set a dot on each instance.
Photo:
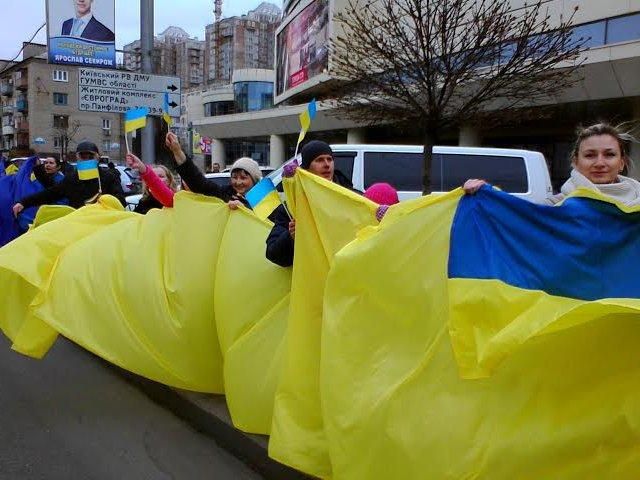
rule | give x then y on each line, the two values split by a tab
585	249
259	191
136	113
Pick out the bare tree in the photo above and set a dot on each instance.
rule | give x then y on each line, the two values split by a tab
65	132
438	64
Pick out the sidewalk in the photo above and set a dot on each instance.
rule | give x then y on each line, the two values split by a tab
208	414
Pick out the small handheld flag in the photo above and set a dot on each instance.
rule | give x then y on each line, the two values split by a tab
135	119
263	198
305	121
87	169
165	111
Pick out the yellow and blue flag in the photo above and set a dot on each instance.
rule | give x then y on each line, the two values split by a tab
165	111
305	119
87	169
263	198
135	118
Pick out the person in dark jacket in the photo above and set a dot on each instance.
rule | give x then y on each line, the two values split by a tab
317	158
77	192
245	173
48	173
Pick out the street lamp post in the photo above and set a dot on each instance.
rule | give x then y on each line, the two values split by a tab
146	47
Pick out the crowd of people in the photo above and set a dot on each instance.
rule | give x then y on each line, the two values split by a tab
600	155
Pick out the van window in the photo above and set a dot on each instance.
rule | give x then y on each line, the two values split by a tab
402	170
507	173
343	161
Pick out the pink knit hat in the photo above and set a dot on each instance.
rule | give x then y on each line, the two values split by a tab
382	194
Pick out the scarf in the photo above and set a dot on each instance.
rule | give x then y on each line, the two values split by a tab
626	190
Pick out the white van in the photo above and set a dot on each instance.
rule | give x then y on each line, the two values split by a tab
522	173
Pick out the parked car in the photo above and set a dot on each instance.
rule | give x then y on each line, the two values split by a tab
129	179
523	173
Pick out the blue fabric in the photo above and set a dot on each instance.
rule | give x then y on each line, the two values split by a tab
8	224
584	249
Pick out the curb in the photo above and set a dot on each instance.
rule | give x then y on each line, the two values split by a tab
208	414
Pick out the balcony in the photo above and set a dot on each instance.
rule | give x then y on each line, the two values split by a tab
8	130
6	89
22	83
8	109
23	126
22	106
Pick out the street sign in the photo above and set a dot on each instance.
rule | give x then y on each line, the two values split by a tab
39	141
115	91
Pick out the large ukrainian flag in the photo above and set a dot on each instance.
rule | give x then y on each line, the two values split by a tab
485	338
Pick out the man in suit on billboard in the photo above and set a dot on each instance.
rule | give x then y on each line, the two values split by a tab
85	25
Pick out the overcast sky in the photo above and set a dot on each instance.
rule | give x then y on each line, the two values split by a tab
21	18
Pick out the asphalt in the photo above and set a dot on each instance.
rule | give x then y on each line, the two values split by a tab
71	416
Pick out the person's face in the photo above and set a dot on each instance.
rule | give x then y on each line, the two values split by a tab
215	168
86	156
241	181
322	166
162	175
83	7
599	159
50	165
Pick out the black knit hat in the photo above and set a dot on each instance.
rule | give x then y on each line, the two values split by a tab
87	147
312	150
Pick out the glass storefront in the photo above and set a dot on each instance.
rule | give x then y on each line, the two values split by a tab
253	96
213	109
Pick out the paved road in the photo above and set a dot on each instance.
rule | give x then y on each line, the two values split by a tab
69	417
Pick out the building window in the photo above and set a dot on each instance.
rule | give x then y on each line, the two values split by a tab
106	126
60	121
60	76
253	96
60	98
106	146
57	143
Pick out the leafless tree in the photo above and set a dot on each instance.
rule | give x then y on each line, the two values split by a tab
65	132
439	64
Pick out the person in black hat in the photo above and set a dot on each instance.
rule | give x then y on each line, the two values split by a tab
317	158
77	192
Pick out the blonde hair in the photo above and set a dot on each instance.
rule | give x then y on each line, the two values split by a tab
172	180
624	139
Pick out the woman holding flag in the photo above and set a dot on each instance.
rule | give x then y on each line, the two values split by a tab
81	187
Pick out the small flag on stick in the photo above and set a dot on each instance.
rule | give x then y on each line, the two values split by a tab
135	119
165	111
305	121
263	198
87	169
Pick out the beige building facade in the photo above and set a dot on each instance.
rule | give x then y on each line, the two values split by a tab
39	110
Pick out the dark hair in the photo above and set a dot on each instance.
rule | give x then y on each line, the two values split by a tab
624	139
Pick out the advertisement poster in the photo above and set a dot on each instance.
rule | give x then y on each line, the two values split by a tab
81	32
303	47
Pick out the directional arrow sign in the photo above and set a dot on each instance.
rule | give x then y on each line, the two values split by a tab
117	91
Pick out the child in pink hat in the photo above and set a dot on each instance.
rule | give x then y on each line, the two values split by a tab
384	195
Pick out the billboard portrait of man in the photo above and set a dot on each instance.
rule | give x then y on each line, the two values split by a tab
85	25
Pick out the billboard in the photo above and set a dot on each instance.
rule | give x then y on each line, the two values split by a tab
303	47
81	32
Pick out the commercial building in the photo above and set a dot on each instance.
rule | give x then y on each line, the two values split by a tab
609	89
242	42
39	110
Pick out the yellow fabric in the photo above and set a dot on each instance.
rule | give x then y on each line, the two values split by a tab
251	306
323	226
562	401
27	262
267	205
12	169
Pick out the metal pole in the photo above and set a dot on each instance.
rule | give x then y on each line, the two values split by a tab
146	46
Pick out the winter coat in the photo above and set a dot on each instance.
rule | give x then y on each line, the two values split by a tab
198	183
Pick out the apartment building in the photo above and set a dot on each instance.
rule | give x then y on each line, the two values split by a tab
39	110
241	42
174	53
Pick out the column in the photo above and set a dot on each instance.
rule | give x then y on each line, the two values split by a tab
469	136
217	152
356	136
277	151
634	151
